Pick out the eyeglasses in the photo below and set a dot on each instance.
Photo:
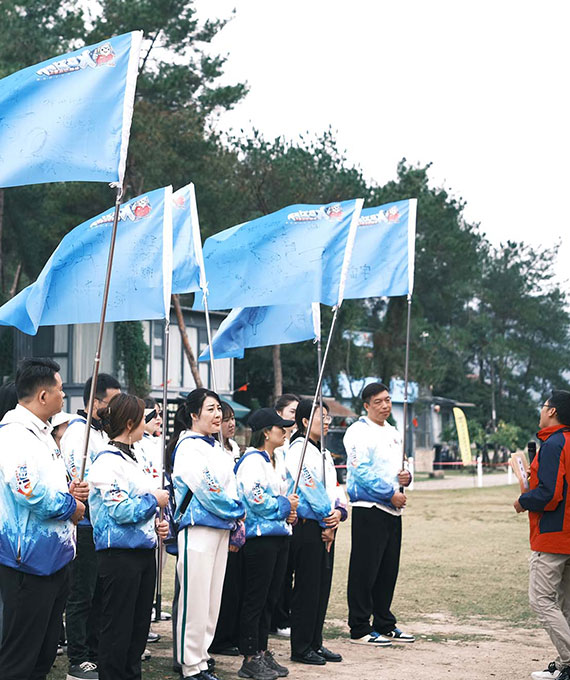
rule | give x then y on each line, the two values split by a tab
327	420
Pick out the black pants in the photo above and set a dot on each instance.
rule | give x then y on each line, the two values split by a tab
313	567
227	630
84	602
127	590
373	570
281	617
33	609
264	565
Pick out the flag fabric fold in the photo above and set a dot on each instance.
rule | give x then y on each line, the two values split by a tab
293	255
382	262
70	287
69	118
261	326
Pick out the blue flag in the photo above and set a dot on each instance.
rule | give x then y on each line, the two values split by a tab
296	254
262	326
69	288
382	261
69	118
187	246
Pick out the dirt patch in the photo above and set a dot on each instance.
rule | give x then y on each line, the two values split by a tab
471	649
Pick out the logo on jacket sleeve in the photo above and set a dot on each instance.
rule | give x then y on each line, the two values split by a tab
116	493
23	481
103	55
257	493
308	478
212	482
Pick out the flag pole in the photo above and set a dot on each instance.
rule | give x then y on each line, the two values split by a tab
166	340
97	360
342	283
319	364
316	398
203	286
406	367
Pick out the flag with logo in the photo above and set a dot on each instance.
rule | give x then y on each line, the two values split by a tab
382	261
70	287
262	326
296	254
69	118
187	259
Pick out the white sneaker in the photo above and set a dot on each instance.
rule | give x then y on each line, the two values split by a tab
145	656
284	632
398	635
374	639
548	674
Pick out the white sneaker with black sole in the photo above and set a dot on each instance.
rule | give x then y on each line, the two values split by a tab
550	673
83	671
373	639
397	635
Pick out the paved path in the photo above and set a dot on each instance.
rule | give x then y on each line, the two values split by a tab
463	482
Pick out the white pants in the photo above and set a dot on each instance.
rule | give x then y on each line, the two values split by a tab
201	567
549	596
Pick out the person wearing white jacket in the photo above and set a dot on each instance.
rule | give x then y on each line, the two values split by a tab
84	602
374	478
322	507
124	501
270	513
37	513
207	509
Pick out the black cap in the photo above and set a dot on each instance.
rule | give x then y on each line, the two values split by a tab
267	417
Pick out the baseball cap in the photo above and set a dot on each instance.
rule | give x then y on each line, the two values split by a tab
267	417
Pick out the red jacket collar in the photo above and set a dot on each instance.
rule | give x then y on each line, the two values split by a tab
547	431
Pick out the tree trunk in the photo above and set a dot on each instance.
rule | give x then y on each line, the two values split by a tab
277	372
16	281
186	343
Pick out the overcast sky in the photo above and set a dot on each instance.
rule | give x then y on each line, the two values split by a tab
480	89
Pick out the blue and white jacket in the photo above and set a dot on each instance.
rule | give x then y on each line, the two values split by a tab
261	490
374	458
148	452
123	507
72	444
201	466
318	497
36	533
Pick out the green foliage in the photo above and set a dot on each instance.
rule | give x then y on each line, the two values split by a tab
132	356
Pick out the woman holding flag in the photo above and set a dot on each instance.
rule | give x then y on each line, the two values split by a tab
322	506
208	510
123	502
270	514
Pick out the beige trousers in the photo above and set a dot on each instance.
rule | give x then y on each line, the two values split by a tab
201	567
549	597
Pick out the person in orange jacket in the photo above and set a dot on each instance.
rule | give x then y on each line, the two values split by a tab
549	516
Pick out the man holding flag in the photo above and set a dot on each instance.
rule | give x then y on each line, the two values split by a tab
374	475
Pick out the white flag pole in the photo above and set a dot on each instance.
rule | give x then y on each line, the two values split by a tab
343	274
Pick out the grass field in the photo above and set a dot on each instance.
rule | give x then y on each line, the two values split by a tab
464	559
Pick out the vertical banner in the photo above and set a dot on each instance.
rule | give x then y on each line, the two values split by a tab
462	435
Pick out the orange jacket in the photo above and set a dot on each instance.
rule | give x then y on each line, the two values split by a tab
549	512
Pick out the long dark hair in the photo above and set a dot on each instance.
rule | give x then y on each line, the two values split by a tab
183	418
122	409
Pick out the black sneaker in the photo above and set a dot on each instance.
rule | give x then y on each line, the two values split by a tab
564	673
257	669
83	671
211	663
328	655
270	662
